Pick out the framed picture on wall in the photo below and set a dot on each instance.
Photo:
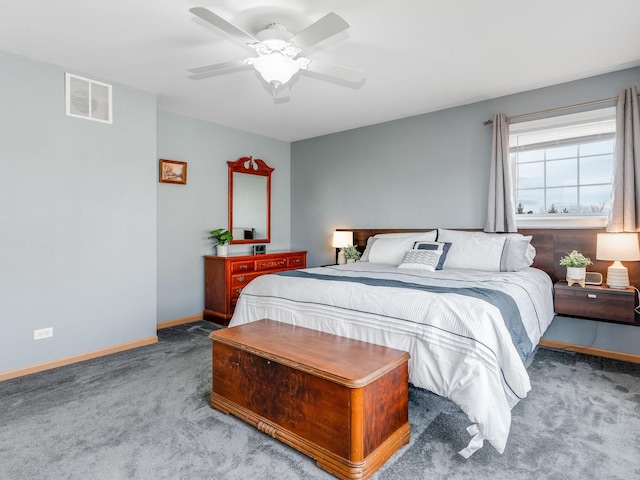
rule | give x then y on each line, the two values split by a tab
172	171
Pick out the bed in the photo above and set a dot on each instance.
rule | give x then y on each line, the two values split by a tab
467	306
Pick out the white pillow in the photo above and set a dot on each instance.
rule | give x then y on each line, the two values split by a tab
473	250
421	260
429	236
389	250
365	255
413	236
518	253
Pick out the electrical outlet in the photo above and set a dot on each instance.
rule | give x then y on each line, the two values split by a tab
43	333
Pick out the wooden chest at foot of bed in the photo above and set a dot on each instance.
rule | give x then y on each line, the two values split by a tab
342	402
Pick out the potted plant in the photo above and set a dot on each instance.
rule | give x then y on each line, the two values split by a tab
351	253
222	237
576	264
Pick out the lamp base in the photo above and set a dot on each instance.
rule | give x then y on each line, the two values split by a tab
341	258
617	276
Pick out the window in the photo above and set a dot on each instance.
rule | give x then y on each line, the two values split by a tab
563	166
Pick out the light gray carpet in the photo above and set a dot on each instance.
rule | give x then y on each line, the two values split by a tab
144	414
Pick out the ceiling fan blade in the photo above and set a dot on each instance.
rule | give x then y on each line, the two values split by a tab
236	32
324	28
336	71
218	67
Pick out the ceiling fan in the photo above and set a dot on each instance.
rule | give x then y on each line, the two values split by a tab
277	51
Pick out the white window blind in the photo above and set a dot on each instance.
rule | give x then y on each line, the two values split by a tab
595	123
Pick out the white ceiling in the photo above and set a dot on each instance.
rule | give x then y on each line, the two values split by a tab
418	55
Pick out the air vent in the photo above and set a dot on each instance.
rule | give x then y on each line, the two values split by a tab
88	99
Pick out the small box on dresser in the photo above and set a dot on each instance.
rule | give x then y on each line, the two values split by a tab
597	302
225	277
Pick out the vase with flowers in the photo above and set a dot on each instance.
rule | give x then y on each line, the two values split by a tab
576	264
351	253
222	237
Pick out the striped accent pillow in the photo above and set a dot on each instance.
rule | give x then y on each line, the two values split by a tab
442	247
421	260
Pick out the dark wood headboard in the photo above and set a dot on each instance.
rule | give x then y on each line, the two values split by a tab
550	244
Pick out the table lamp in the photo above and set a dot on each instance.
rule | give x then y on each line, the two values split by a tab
340	240
618	247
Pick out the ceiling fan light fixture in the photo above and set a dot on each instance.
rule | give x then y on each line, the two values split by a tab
275	68
277	50
274	31
303	62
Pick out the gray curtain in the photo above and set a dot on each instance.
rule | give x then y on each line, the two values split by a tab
501	210
625	195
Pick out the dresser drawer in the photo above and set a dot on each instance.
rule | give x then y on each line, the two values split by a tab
298	261
239	267
595	302
271	264
238	282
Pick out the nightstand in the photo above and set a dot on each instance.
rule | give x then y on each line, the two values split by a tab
595	301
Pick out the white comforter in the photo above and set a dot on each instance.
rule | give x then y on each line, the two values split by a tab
459	345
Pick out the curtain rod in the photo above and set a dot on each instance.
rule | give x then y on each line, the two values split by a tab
568	107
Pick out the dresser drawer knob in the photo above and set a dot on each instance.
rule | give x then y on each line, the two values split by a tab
297	260
239	290
592	295
263	264
243	267
281	262
241	278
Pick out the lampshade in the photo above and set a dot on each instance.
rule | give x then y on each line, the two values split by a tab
275	68
342	239
617	247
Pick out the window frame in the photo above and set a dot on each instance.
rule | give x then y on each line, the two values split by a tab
601	119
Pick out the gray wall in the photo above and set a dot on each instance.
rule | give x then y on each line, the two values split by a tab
93	246
78	235
425	171
186	213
